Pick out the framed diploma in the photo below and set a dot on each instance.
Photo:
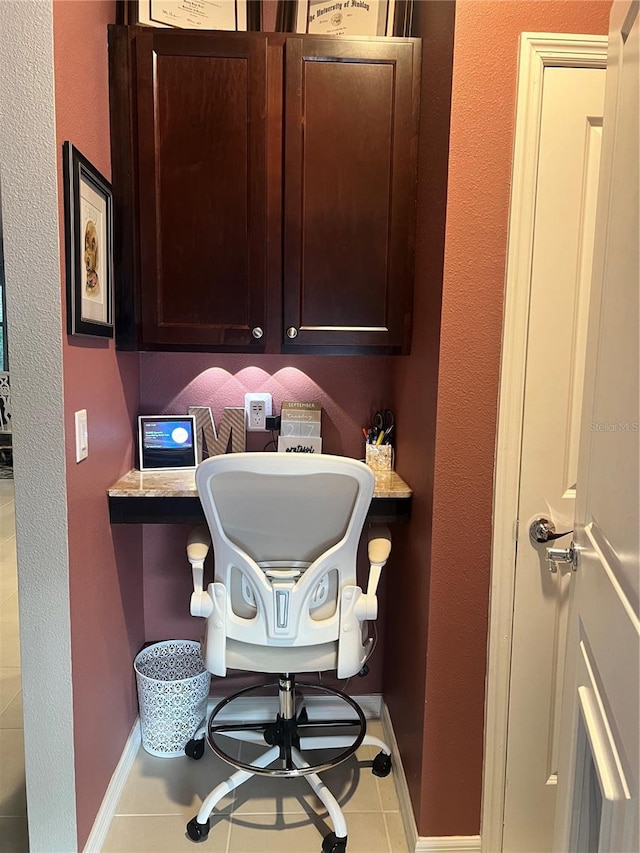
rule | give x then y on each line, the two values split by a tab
195	14
345	17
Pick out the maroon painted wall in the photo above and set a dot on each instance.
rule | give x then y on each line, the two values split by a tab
415	390
449	538
105	563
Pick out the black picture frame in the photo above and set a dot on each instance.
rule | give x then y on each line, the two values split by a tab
88	226
399	17
143	12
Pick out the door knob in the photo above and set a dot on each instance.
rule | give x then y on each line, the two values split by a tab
257	333
562	555
292	332
542	530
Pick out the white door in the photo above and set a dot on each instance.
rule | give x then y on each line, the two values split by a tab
598	776
563	229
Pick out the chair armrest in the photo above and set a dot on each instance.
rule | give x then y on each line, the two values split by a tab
379	537
198	544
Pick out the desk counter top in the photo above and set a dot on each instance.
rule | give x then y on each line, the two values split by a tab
182	484
170	496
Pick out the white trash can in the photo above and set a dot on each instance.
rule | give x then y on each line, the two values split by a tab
173	688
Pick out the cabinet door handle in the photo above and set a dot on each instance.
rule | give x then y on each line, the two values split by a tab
257	333
292	332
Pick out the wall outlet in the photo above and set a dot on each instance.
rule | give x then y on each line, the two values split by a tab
257	408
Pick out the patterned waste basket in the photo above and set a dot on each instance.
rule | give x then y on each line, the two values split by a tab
173	688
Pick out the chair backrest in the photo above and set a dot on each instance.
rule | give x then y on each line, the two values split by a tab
285	530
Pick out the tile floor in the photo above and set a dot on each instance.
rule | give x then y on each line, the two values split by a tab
161	795
13	804
262	816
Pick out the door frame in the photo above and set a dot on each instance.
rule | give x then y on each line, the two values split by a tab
536	52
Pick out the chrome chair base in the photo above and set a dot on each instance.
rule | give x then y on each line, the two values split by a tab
290	729
294	729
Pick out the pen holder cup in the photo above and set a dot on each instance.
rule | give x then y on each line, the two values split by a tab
379	457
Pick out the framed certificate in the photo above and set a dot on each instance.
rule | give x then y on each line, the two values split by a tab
345	17
195	14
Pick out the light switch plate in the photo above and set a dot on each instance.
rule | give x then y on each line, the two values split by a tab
82	435
257	408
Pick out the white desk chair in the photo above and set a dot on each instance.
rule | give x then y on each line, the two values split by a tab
285	600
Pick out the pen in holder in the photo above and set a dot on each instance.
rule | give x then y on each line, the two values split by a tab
379	457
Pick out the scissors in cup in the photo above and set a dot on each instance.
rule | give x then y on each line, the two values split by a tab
383	422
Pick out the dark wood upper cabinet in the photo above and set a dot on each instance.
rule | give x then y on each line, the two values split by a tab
202	187
264	189
349	190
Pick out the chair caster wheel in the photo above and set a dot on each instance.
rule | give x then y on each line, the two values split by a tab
198	831
195	749
333	844
381	764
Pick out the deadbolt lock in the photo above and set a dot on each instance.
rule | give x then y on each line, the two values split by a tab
558	556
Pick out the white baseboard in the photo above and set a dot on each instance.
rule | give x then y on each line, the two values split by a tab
418	843
102	823
400	781
448	844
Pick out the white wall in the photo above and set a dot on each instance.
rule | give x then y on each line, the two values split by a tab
28	176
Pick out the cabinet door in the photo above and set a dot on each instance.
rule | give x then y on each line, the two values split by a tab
201	104
351	112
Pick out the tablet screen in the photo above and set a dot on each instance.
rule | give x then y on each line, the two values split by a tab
166	442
